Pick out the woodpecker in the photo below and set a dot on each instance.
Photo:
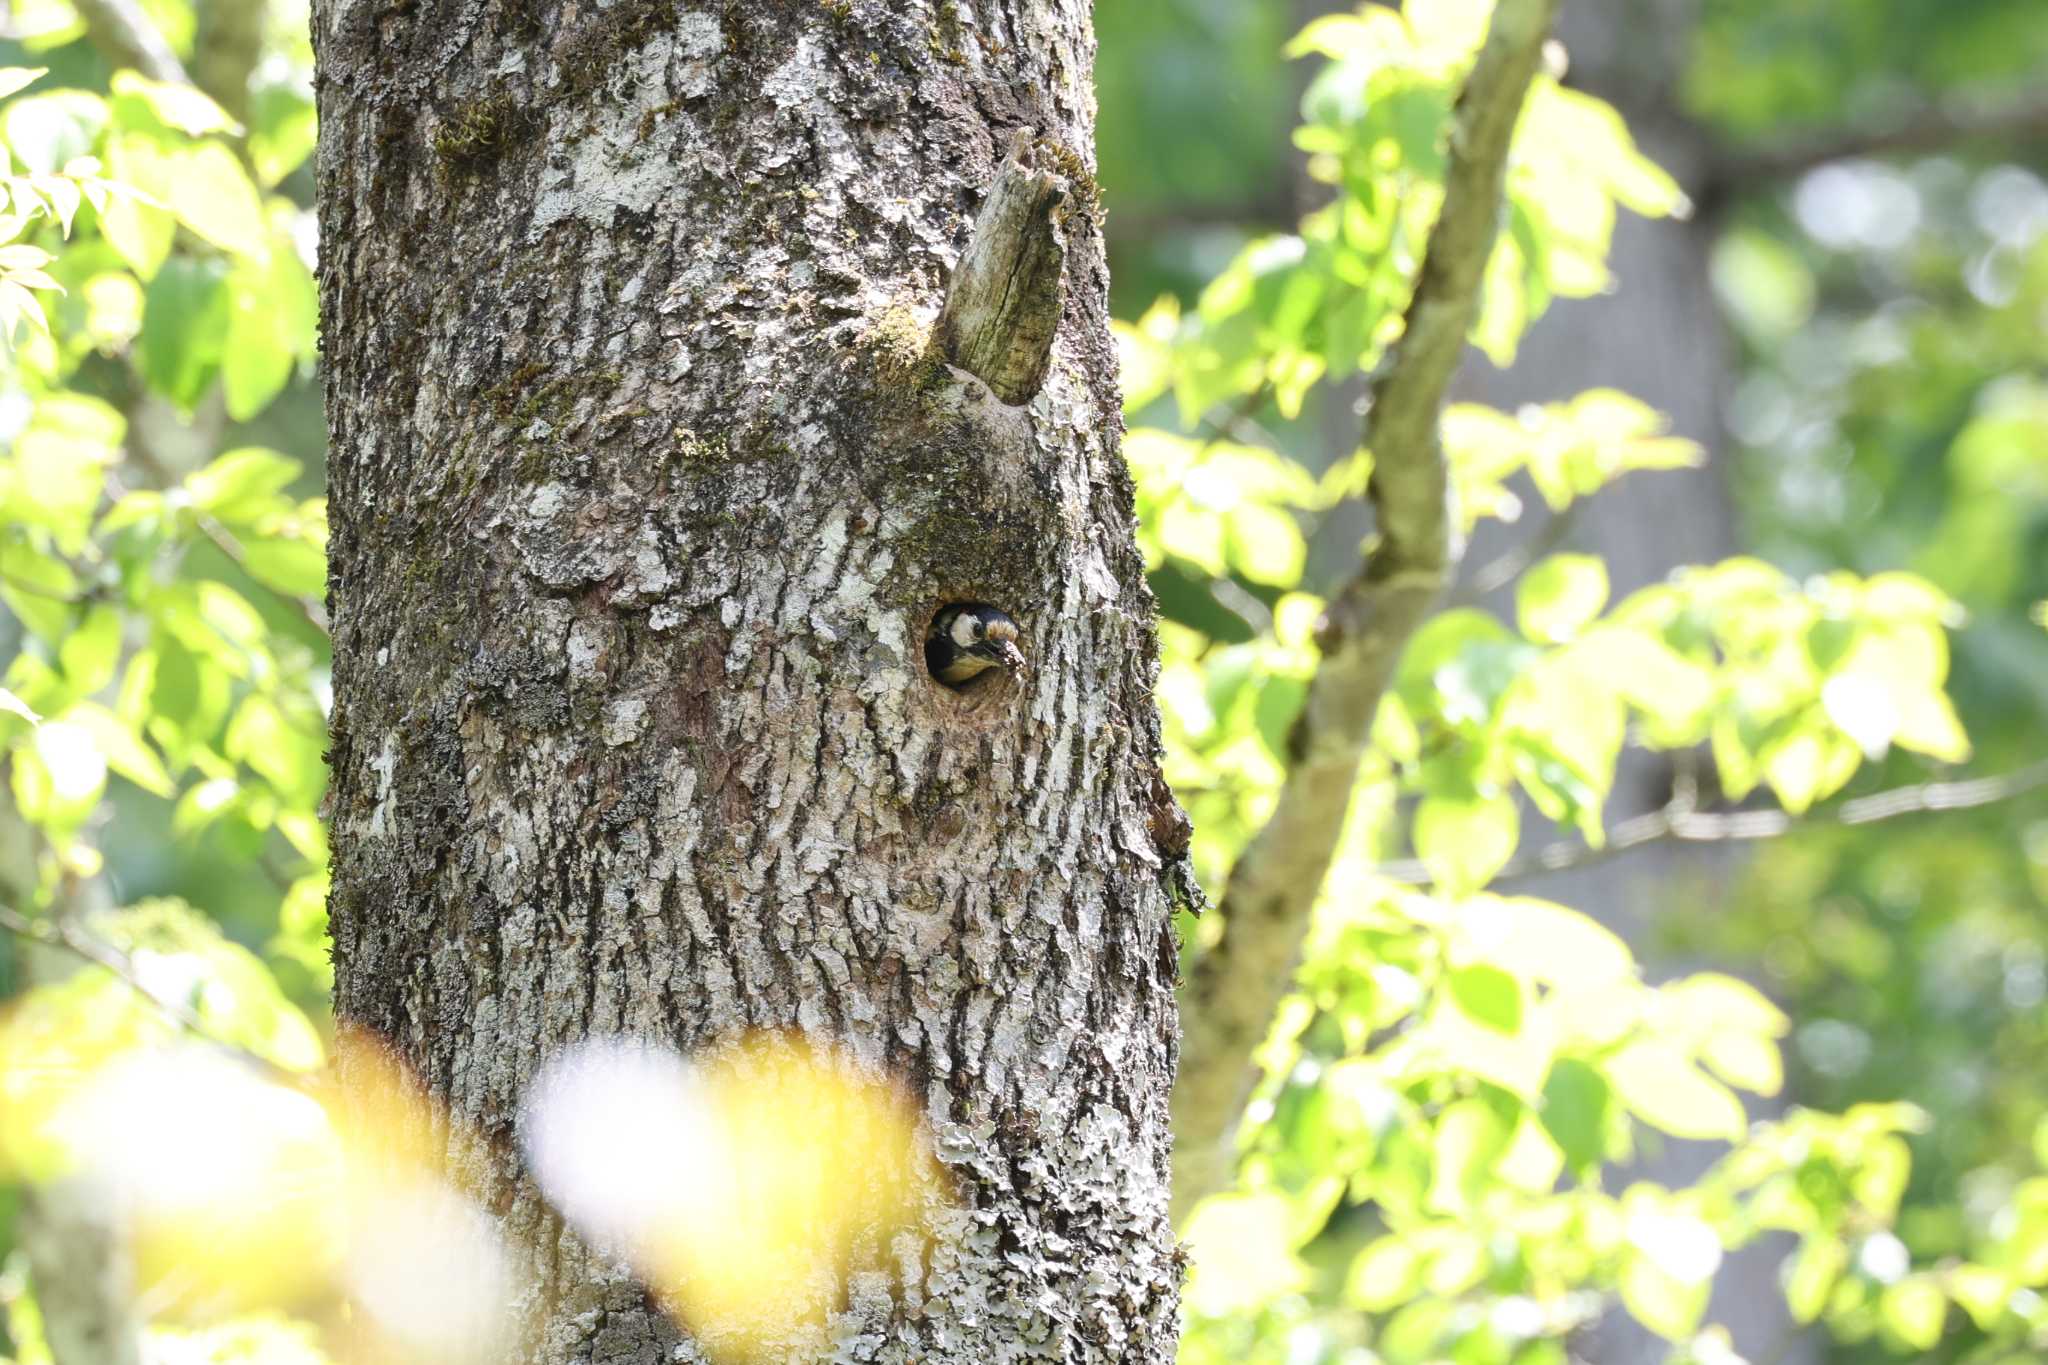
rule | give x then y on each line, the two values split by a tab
968	638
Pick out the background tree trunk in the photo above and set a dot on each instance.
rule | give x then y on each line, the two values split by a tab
644	488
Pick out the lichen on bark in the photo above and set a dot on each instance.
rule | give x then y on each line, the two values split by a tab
635	538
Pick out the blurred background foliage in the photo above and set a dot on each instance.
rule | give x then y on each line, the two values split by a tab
1441	1159
1877	228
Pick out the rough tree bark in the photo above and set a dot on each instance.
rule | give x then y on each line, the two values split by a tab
646	480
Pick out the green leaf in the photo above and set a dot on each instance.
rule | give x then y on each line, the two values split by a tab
1385	1275
1265	544
1929	725
294	567
1880	1179
1543	941
1981	1292
1577	1109
1663	1088
1746	1061
16	78
138	226
242	485
184	328
1469	1138
1464	841
1195	534
37	587
1459	665
1914	1309
1186	597
1809	762
1762	283
15	706
1490	996
286	755
261	336
1714	1002
1558	597
122	748
47	131
91	651
213	196
1371	35
176	105
1820	1261
1279	702
1144	349
1666	1304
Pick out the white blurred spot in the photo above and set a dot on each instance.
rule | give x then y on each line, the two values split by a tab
1833	1047
619	1136
1857	204
1863	709
2011	204
1883	1258
183	1129
1678	1244
76	765
427	1265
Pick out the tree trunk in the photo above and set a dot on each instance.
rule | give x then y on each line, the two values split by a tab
647	477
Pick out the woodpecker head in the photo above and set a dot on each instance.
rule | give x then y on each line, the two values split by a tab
968	638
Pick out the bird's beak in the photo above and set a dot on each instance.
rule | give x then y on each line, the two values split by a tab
1011	657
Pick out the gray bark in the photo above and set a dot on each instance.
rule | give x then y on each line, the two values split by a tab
645	483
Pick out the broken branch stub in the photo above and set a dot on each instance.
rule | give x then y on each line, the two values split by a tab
1003	305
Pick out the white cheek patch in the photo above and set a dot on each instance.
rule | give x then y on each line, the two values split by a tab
963	630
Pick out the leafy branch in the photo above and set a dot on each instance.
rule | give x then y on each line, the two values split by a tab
1680	819
126	36
1235	987
61	933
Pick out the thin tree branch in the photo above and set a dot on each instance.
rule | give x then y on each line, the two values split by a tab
1494	576
1234	988
125	36
1680	821
1927	130
62	933
315	612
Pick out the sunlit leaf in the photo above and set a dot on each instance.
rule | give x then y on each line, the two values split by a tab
1464	840
1663	1088
1548	942
1383	1276
1914	1309
1557	598
14	78
177	105
212	195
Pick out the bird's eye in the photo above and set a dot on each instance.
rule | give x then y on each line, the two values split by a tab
980	629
